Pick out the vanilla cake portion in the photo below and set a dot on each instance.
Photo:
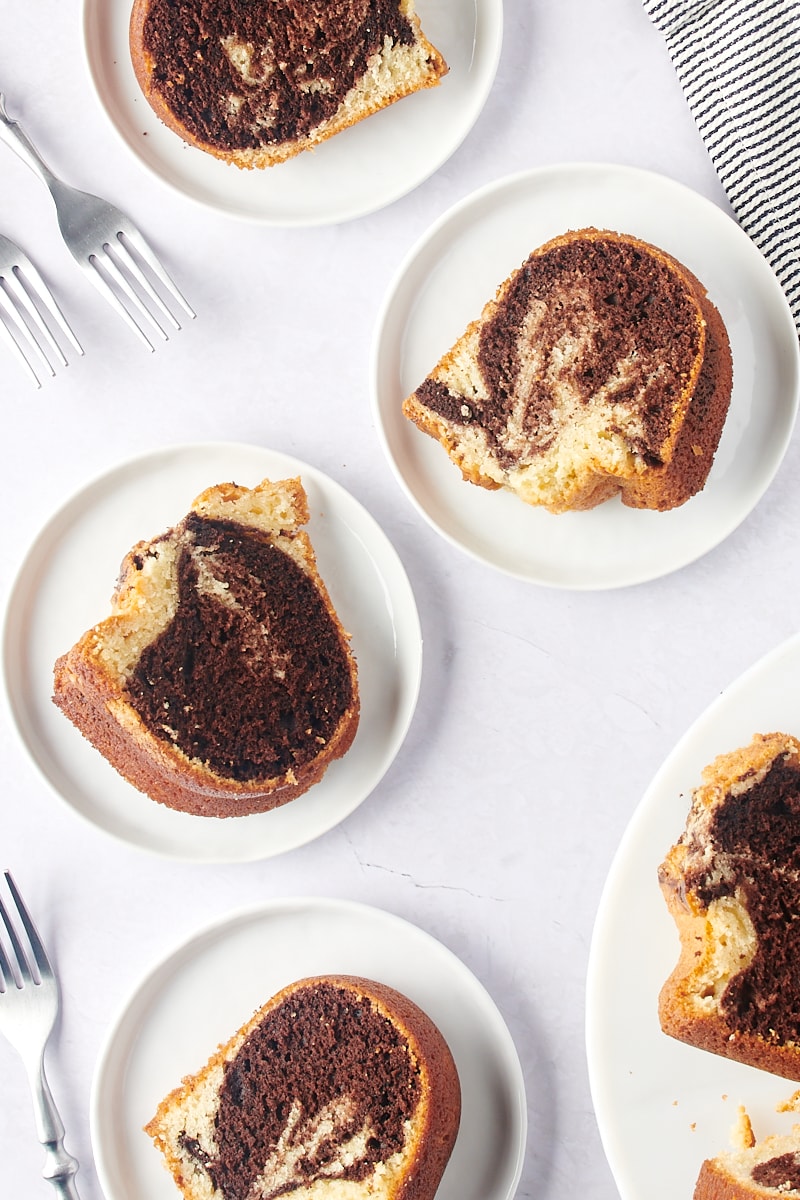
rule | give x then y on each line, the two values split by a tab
600	368
256	82
732	885
339	1088
222	682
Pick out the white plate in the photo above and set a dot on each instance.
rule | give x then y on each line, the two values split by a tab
356	172
657	1100
64	587
174	1020
456	267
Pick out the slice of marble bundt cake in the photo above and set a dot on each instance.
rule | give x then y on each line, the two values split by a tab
223	682
600	368
339	1088
732	885
255	82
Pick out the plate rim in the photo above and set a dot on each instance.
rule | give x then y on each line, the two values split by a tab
643	814
474	200
410	662
493	49
171	961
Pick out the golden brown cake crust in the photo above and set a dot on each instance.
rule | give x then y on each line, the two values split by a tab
585	478
91	689
713	1183
435	1120
716	947
393	73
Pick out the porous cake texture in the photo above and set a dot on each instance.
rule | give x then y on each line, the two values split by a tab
599	369
256	82
222	682
339	1088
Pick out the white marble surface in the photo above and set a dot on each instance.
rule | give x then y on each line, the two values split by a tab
543	714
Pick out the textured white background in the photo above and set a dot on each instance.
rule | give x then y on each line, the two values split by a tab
543	714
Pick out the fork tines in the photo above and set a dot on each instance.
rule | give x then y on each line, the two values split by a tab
30	315
106	245
26	959
135	283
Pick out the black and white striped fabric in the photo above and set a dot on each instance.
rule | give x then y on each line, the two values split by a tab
738	62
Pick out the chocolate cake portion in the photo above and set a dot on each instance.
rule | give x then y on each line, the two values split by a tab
581	378
336	1080
732	883
781	1173
754	837
222	683
256	81
320	1052
241	74
250	676
600	316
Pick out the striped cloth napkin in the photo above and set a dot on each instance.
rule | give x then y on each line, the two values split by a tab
738	62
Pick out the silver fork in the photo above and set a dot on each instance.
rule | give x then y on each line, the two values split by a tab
28	1010
105	244
28	309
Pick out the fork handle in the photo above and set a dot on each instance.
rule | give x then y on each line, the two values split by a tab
12	133
59	1167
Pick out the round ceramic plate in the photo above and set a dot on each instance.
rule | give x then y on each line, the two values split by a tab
63	588
458	265
356	172
175	1019
656	1099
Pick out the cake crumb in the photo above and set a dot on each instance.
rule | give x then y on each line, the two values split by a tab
790	1105
742	1135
